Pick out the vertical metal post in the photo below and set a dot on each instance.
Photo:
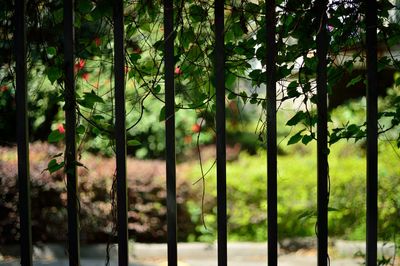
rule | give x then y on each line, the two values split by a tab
70	142
22	134
271	135
120	132
221	136
372	134
322	133
169	37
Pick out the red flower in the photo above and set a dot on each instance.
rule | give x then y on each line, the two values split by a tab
137	51
126	69
61	128
178	71
187	139
79	65
4	88
85	76
97	41
196	128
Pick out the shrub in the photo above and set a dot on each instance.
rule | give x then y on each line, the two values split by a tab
146	192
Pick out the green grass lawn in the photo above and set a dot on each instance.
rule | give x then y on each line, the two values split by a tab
297	193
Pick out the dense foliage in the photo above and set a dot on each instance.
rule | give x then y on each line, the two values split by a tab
194	54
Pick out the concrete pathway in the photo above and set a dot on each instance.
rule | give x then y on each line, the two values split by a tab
190	254
286	260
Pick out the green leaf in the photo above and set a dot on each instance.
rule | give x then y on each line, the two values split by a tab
306	139
89	99
130	30
85	6
354	81
89	17
188	37
53	73
398	82
157	89
133	142
295	138
134	57
254	99
51	51
307	215
244	96
237	30
353	129
80	129
197	13
283	71
292	89
98	118
161	117
159	45
146	27
194	53
256	74
77	22
231	96
55	136
54	166
383	62
299	116
230	80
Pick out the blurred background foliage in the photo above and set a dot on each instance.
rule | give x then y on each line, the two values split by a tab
195	113
247	208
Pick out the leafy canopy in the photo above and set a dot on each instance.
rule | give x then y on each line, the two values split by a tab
245	44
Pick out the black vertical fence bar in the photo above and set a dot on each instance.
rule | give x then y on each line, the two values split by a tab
70	142
170	132
220	126
271	135
22	134
322	133
372	134
120	132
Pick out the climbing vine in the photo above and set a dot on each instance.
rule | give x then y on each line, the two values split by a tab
245	37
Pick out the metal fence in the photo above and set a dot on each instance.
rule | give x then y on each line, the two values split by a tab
120	136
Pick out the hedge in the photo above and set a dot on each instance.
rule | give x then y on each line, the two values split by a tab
146	197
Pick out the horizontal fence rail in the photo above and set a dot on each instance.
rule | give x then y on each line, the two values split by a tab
323	181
